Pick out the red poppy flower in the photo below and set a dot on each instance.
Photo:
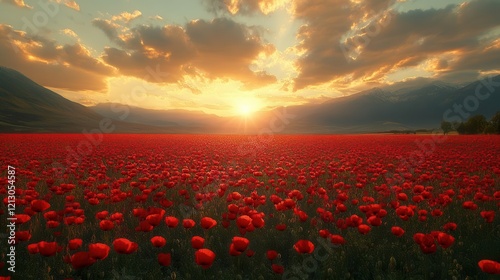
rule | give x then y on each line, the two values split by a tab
21	218
124	246
164	259
281	227
52	224
48	249
204	257
232	250
397	231
75	243
445	240
24	235
197	242
240	243
258	221
81	260
144	226
39	205
488	216
324	233
489	266
99	251
33	248
450	226
364	229
188	223
154	219
304	246
106	225
158	241
243	221
278	269
337	239
271	254
208	223
102	215
374	221
427	243
171	221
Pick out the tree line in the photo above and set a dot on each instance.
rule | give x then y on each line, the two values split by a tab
477	124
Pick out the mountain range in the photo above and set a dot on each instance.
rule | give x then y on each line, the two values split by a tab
28	107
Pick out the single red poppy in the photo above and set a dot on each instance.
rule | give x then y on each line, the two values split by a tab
324	233
171	221
144	226
304	246
240	243
21	218
364	229
99	251
278	269
33	248
243	221
281	227
208	223
271	254
124	246
197	242
337	239
154	219
445	240
75	243
232	251
158	241
48	249
489	266
450	226
188	223
39	205
374	221
204	257
488	216
52	224
397	231
164	259
24	235
102	215
81	260
106	225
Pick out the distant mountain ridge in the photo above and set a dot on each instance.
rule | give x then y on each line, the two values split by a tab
28	107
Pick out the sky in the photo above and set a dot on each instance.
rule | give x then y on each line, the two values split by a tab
229	57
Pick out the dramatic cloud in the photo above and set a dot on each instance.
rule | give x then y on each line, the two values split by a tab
108	27
70	4
220	48
18	3
126	16
345	41
61	66
69	32
244	6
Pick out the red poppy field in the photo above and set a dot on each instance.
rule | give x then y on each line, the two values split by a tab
242	207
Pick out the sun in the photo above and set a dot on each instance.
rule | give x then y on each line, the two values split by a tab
246	107
245	110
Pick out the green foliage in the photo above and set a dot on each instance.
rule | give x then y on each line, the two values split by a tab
477	124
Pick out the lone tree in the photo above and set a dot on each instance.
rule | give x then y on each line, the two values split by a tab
446	127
